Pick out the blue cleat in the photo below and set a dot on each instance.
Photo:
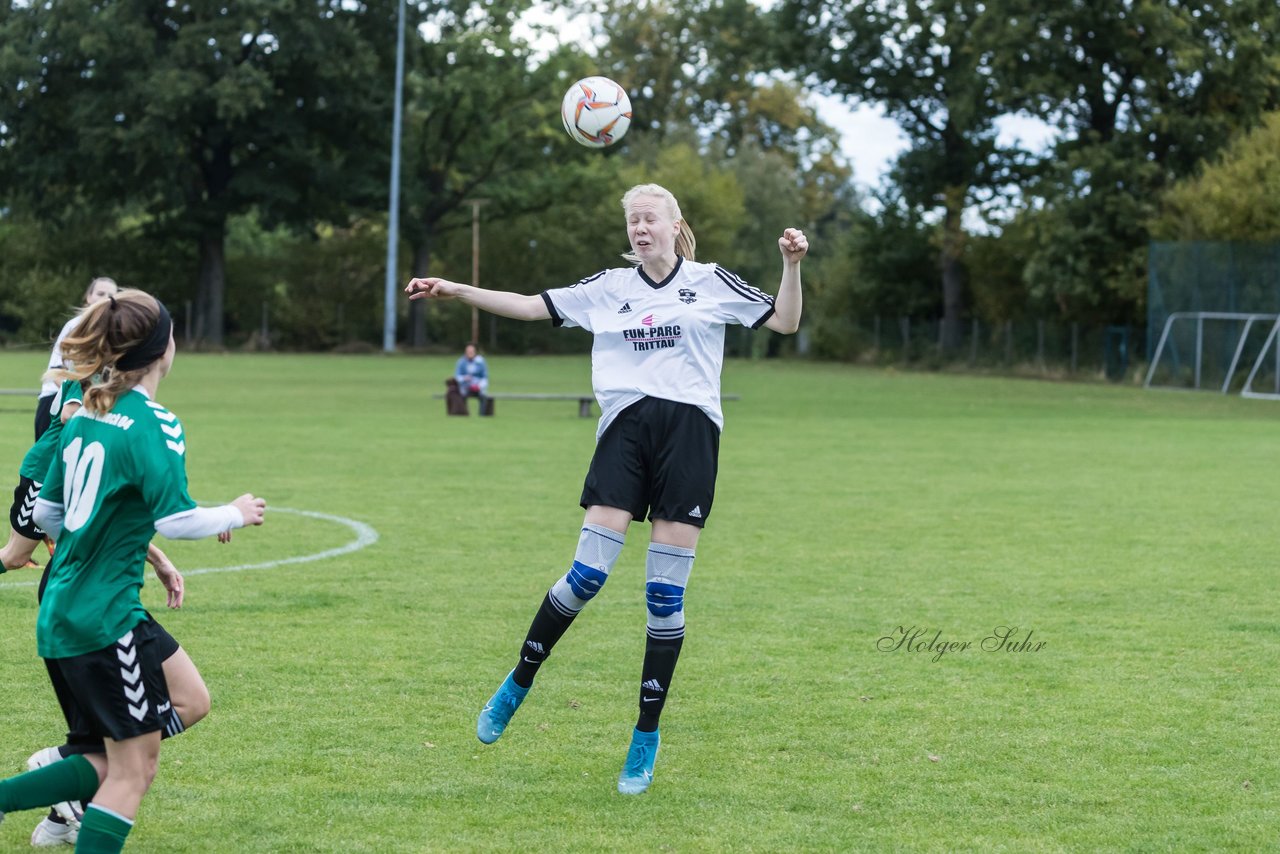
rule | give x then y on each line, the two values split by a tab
637	772
497	713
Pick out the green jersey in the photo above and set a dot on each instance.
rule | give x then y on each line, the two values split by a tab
35	465
116	475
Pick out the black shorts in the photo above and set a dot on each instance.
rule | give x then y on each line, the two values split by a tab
657	460
81	737
24	504
44	414
116	692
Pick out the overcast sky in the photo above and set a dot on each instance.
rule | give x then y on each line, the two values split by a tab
873	141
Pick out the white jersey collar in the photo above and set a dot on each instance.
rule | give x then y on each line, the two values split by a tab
660	285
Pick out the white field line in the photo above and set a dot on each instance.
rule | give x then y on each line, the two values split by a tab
365	536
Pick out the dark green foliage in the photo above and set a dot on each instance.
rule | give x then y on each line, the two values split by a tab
481	123
1140	91
931	66
1235	197
185	115
233	158
1143	92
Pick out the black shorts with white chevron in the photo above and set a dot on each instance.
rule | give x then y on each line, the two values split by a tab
24	502
120	691
81	735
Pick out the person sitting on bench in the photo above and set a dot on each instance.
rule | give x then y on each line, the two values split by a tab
472	374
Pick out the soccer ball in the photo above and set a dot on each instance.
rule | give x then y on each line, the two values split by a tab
596	112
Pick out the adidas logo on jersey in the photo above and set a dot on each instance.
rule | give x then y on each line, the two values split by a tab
626	308
696	512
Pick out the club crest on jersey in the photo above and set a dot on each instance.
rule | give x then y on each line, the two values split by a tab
687	296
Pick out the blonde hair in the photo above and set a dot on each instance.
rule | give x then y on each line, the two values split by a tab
107	330
686	243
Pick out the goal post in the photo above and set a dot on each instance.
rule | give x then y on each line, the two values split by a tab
1270	348
1198	347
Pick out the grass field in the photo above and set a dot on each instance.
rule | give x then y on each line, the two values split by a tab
1130	533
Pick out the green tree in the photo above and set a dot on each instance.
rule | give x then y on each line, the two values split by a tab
482	123
930	65
1235	197
684	64
1142	91
187	114
879	265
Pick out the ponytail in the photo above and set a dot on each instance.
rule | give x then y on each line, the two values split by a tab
124	327
686	243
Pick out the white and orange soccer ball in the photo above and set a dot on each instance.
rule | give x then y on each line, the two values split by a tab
596	112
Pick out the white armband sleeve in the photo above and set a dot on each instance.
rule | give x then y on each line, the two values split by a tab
200	522
49	517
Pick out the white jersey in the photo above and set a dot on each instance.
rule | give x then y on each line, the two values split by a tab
48	387
658	339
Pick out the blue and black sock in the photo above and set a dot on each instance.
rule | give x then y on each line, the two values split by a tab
598	550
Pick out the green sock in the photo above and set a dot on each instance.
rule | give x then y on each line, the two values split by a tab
72	779
102	831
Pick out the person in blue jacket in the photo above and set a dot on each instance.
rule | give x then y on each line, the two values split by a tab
472	374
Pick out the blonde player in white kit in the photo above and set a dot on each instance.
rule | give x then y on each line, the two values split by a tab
655	368
99	289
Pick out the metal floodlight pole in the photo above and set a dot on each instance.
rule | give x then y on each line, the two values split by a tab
393	211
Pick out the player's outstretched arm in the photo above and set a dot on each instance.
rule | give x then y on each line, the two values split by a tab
501	303
201	522
788	303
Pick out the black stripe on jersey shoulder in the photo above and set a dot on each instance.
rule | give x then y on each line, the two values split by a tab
764	318
740	287
588	279
556	319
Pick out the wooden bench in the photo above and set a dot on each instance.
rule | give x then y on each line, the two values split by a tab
584	400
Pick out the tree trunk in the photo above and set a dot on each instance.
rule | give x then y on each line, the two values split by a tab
216	171
211	290
417	324
952	281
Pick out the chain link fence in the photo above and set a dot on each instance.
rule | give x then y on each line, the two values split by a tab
1209	276
1048	348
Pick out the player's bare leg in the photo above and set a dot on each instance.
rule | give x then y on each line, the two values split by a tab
187	691
131	766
